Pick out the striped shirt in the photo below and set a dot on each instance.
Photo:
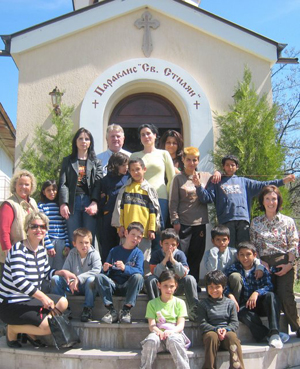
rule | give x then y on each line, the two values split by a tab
23	273
57	224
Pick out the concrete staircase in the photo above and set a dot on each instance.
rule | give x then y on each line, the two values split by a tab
118	346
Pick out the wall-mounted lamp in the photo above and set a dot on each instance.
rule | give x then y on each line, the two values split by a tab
56	100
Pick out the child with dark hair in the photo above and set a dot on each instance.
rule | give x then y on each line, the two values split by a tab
166	319
221	256
56	239
254	297
170	258
137	201
232	197
116	178
219	322
122	274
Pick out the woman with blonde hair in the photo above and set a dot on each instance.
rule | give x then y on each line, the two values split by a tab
14	209
23	306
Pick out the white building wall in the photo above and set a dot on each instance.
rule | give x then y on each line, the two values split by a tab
6	171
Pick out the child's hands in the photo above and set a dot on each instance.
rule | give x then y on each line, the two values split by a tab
73	285
160	334
258	274
121	232
237	306
196	179
151	235
120	265
166	334
51	253
106	266
251	303
221	333
289	178
216	178
66	251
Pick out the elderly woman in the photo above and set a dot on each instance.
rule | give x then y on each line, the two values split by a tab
79	184
23	306
14	210
276	240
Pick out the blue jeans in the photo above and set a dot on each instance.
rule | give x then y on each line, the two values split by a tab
106	287
266	305
164	212
59	287
80	218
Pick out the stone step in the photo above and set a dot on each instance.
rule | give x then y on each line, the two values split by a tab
257	356
138	312
95	335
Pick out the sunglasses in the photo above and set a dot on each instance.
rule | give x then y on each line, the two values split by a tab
36	226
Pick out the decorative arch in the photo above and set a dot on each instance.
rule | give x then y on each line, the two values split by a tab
136	76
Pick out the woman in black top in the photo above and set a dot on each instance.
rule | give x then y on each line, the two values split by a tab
79	184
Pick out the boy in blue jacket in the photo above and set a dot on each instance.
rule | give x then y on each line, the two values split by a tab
232	197
122	274
254	297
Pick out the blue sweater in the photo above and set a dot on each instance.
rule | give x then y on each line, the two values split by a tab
133	260
111	185
57	224
232	196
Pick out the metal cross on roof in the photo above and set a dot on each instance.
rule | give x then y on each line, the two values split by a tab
146	21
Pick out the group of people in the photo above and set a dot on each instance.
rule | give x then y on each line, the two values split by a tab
148	211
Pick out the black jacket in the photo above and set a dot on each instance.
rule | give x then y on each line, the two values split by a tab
69	176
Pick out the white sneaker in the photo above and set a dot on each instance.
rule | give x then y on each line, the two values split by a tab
284	337
275	341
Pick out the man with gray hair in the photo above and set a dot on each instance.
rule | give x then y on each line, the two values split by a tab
115	141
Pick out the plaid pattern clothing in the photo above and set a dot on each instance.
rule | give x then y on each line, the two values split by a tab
250	283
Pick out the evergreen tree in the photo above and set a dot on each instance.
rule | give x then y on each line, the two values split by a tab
248	131
43	156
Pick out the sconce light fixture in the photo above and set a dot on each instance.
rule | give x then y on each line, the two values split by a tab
56	100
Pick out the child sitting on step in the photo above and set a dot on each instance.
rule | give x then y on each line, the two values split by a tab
166	318
219	322
254	297
85	262
122	274
170	258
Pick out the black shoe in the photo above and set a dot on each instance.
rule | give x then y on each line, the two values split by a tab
298	333
86	314
110	317
12	344
125	316
34	343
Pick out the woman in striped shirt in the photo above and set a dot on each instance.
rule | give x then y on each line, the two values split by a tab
23	306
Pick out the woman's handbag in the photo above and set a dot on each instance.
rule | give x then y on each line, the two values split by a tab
63	332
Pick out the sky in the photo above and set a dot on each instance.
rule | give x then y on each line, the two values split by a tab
277	20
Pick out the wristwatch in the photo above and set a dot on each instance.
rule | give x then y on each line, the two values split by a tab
176	221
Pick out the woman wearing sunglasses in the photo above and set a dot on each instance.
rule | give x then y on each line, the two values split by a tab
23	306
